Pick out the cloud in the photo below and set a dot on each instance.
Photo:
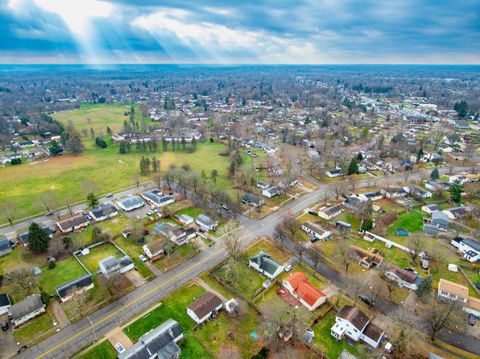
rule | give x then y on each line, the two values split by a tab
249	31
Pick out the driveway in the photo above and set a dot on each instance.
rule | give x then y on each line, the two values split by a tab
8	346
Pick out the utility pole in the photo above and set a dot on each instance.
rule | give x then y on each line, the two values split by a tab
93	328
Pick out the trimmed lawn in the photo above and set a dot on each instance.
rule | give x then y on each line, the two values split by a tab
191	211
66	270
249	281
327	344
34	330
97	254
11	260
269	248
134	250
104	350
174	307
411	221
181	254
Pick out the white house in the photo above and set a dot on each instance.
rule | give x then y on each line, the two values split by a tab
315	231
73	223
452	291
330	212
404	278
298	286
26	309
271	191
337	172
469	248
265	264
352	323
203	308
111	265
430	208
155	248
103	212
205	222
5	303
130	203
372	196
456	212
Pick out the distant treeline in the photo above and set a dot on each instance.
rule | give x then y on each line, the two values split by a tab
372	89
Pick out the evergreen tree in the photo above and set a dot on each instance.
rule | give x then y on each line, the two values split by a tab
128	147
456	190
37	239
184	143
435	175
353	167
232	168
54	148
100	142
419	154
424	288
214	175
109	131
92	200
461	108
123	148
138	146
164	144
359	156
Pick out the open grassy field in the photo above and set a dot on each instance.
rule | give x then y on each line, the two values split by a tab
411	221
66	270
21	185
104	350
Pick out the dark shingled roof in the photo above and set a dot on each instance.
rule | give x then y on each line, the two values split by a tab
26	306
373	332
265	262
354	316
80	282
205	304
4	300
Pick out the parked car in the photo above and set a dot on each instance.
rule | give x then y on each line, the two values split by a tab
109	195
225	207
119	348
142	258
21	348
149	213
471	319
49	213
89	217
425	263
366	299
312	212
288	267
4	325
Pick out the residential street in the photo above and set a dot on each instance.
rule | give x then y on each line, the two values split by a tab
76	336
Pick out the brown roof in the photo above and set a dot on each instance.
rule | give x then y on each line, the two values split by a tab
373	332
453	288
406	275
72	221
205	304
354	316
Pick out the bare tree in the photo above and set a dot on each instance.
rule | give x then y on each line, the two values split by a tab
8	210
342	253
289	227
78	300
442	313
22	278
69	202
354	285
233	243
416	245
48	199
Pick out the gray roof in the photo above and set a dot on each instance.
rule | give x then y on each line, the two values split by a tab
103	210
203	219
80	282
265	262
439	215
160	341
26	306
471	243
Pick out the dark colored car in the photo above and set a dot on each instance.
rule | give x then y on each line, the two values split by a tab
4	325
366	299
21	348
471	319
312	212
477	285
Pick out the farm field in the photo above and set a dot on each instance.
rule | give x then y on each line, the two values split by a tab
22	185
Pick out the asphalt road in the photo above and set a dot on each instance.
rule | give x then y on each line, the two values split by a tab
82	333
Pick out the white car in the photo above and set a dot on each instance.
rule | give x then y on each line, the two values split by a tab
149	213
288	267
142	258
119	348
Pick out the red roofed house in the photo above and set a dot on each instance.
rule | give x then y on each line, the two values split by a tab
297	284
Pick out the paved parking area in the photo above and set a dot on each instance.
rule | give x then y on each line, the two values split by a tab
8	346
118	336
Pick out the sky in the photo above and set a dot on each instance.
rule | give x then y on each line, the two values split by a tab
240	31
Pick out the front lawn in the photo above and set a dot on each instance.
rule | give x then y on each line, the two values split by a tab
104	350
191	211
34	330
330	346
411	221
65	270
181	254
249	281
174	307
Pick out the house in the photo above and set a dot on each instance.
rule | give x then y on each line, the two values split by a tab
265	264
436	186
262	185
469	248
5	303
160	343
130	203
430	208
80	284
272	191
330	212
184	219
288	183
205	222
5	247
26	309
456	212
157	199
155	249
315	231
352	323
103	212
353	203
111	265
203	308
24	235
252	200
297	285
394	192
473	306
370	258
173	232
440	220
337	172
418	192
372	196
404	278
73	223
430	229
452	291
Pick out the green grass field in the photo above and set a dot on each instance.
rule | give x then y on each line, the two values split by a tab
21	185
66	270
104	350
411	221
34	330
248	279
